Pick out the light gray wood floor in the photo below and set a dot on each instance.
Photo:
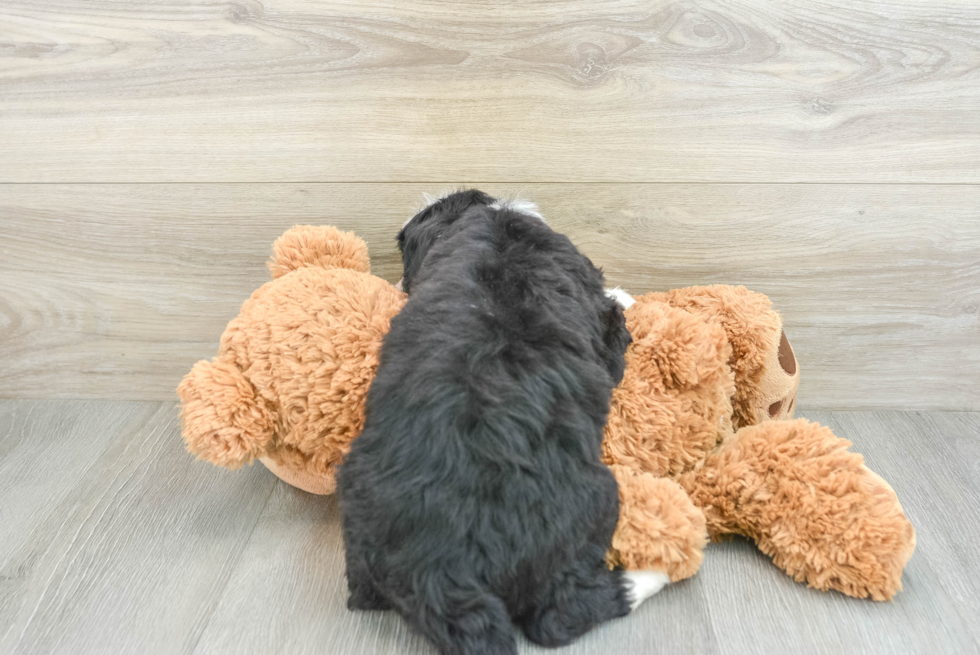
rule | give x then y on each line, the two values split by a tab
114	540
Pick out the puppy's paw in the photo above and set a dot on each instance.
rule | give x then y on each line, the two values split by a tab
643	584
367	600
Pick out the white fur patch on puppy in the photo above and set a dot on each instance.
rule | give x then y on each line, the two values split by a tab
624	299
520	206
643	584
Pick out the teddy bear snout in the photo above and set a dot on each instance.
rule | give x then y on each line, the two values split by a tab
786	405
787	360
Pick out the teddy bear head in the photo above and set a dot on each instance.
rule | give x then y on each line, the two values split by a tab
293	368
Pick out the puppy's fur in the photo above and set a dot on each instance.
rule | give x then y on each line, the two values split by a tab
475	495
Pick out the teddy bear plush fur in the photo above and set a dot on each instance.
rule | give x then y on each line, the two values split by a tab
293	368
699	436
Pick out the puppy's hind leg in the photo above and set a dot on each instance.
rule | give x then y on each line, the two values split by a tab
363	594
584	597
461	620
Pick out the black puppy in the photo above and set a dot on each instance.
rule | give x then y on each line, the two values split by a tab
475	496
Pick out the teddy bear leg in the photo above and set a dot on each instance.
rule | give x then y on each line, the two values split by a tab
660	535
223	419
823	517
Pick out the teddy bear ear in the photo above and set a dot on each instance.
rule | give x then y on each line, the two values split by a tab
223	420
319	246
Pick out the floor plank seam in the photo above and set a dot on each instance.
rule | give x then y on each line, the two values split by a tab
231	569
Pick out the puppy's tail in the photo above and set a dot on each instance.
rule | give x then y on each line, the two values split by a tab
321	246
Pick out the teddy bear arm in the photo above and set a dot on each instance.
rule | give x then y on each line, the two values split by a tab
223	419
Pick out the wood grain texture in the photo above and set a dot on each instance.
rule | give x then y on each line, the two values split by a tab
738	603
113	540
115	290
579	91
295	560
45	450
935	459
122	543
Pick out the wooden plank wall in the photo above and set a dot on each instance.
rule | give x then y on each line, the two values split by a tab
827	154
430	90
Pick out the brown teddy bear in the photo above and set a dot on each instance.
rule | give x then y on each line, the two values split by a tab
698	434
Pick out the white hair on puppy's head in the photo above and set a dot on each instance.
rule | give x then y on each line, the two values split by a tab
520	206
624	299
427	201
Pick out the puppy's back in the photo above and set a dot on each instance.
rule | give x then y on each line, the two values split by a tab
478	472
